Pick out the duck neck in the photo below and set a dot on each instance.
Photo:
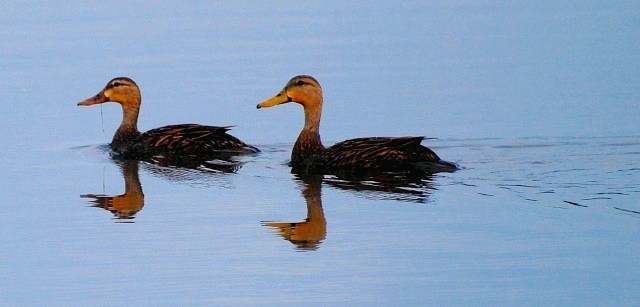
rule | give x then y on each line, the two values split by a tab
131	179
313	195
129	127
308	142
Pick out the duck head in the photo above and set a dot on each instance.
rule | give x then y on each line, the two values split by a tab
121	90
303	89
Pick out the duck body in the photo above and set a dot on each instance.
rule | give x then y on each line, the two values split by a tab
360	155
174	141
379	154
185	140
370	155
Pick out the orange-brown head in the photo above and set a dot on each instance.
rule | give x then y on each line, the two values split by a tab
303	89
121	90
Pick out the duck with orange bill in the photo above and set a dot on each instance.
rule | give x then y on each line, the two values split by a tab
174	141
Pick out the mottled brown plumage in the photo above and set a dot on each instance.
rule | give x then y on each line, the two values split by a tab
177	141
374	154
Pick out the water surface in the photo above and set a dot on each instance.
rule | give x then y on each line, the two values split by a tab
538	104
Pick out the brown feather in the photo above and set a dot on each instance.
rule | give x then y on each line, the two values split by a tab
373	154
183	140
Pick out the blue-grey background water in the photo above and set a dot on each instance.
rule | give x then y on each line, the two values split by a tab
537	101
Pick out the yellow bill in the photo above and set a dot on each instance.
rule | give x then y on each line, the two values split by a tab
280	98
100	98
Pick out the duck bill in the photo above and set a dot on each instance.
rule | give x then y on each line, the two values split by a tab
280	98
97	99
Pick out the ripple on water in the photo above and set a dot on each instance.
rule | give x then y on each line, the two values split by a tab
554	171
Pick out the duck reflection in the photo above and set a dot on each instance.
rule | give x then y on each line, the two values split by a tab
415	187
190	170
126	205
220	163
312	231
309	233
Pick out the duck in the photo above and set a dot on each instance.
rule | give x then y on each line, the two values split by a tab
174	141
359	155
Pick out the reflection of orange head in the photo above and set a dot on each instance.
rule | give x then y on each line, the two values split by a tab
125	206
122	206
308	234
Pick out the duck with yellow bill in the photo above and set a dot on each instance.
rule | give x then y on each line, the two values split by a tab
362	155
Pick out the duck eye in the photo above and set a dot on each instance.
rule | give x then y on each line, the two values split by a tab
300	82
116	84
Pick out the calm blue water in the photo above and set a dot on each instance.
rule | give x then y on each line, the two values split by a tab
537	102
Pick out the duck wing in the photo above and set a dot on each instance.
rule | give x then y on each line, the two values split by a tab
378	154
187	145
192	139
